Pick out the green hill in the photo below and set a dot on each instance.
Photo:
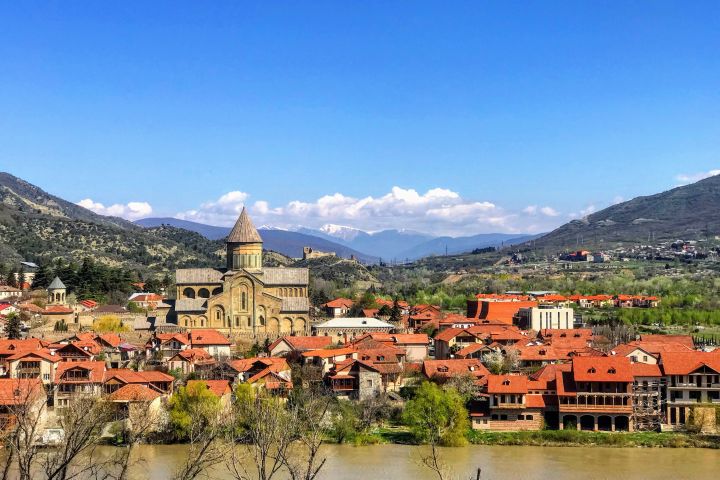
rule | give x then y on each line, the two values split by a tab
39	227
689	212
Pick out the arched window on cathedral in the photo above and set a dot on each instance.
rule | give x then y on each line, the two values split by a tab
243	298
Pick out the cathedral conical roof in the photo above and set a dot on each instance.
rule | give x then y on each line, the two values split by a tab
56	284
244	231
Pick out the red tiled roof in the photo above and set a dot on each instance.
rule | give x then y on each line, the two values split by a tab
553	297
50	309
194	355
651	348
535	401
303	343
29	307
502	312
450	333
507	384
329	352
218	387
675	363
601	369
339	303
646	370
43	354
400	338
17	391
686	340
470	349
155	376
89	303
274	363
531	353
183	338
133	393
454	367
10	347
97	370
111	339
208	337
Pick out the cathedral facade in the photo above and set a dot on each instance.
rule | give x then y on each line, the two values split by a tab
244	297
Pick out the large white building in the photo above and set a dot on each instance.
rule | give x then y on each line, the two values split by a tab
545	317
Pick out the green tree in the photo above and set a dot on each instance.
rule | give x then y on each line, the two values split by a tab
437	416
395	312
192	408
12	327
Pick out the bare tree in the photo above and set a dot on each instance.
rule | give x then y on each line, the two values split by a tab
310	411
143	420
264	433
24	416
82	422
433	461
207	425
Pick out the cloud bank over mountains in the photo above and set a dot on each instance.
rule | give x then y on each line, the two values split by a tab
437	211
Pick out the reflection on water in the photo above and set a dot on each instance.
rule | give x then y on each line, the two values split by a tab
399	462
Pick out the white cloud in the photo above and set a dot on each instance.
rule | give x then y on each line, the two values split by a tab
129	211
438	211
547	211
685	178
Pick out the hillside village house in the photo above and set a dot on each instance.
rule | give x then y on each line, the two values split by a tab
78	378
164	346
290	344
415	345
338	307
9	293
14	392
244	296
692	378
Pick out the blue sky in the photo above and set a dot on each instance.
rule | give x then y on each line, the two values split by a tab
447	117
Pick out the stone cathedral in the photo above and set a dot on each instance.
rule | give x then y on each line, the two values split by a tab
244	297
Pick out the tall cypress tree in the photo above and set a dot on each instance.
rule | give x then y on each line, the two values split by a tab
12	327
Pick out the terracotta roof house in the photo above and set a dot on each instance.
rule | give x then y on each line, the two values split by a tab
286	344
338	307
443	370
191	360
78	377
692	378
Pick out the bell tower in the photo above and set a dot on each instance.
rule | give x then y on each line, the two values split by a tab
56	292
244	245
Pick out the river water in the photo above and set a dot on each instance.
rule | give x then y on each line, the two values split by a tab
399	462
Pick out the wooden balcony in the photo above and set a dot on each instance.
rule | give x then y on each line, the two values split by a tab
509	406
597	402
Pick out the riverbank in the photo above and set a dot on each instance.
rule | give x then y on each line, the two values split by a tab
554	438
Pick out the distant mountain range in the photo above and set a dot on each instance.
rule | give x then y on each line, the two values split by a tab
388	245
283	241
688	212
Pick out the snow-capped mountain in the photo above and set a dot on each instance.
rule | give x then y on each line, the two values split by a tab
341	232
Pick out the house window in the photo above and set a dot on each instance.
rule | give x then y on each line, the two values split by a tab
46	376
369	382
503	417
645	358
521	417
494	417
528	417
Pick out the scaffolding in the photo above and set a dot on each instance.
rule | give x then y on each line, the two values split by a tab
648	405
